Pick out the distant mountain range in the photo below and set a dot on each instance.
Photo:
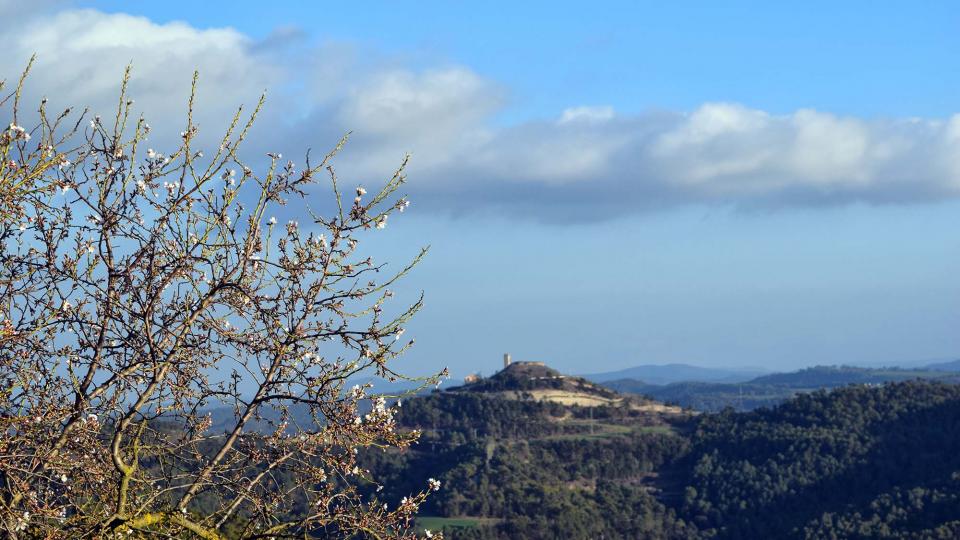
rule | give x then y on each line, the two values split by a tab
663	374
693	387
673	373
944	366
772	389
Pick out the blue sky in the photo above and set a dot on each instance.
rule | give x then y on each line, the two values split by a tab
858	57
735	183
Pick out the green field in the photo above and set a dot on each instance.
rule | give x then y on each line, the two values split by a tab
603	431
435	523
655	429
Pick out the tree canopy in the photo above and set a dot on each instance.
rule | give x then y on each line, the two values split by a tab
141	288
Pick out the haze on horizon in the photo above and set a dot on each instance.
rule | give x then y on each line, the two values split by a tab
746	185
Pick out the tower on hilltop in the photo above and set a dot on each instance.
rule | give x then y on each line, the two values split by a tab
506	360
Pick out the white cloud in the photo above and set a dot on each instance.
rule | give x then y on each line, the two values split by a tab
438	114
586	114
591	159
81	55
454	99
733	152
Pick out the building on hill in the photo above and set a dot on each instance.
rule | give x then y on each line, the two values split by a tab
537	364
508	361
471	378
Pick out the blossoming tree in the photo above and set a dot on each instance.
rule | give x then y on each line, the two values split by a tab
141	290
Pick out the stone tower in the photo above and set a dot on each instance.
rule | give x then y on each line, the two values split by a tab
506	360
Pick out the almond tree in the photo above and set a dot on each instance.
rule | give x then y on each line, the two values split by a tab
140	290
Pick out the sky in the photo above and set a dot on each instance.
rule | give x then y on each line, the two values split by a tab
603	185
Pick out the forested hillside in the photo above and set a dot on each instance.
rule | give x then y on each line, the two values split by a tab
528	469
881	462
858	461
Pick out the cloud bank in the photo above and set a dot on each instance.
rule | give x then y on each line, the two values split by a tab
587	163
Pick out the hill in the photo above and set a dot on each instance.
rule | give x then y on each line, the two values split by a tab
708	397
518	463
859	461
769	390
944	366
538	382
834	376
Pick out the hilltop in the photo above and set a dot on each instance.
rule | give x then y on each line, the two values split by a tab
538	382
